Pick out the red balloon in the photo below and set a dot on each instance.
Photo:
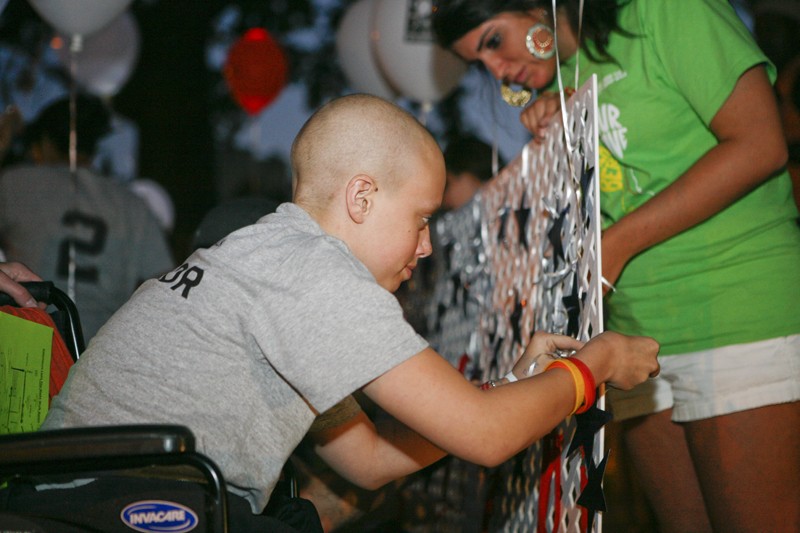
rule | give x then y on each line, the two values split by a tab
256	70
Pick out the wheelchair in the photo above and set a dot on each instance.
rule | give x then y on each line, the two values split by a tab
141	479
110	479
116	478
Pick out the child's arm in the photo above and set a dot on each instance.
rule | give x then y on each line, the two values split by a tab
445	413
382	453
392	450
487	427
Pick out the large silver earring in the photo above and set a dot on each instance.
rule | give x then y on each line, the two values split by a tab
518	98
540	41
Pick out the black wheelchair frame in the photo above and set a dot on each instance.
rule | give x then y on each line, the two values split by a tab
109	448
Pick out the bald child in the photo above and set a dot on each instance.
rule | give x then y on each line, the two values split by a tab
248	341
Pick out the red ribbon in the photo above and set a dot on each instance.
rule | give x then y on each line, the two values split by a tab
551	476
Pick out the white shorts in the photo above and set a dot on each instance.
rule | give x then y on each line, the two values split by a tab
716	382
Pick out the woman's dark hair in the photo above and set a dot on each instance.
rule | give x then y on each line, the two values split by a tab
452	19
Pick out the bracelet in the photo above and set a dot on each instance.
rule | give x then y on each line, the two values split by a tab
589	385
489	385
577	378
511	377
608	284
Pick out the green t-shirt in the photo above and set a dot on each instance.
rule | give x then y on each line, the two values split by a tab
736	277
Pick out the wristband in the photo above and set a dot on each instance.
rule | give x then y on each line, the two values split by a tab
589	385
577	378
511	377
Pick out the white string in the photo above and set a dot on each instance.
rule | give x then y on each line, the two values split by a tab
76	45
567	137
578	51
495	137
495	151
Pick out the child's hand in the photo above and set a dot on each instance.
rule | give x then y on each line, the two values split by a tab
621	361
538	353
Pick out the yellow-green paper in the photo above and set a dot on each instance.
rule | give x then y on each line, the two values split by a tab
25	350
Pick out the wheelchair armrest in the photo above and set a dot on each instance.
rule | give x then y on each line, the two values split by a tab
94	443
40	290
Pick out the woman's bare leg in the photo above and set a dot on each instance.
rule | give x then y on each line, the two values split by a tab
749	468
657	446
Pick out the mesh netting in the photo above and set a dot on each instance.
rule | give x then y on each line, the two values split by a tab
522	256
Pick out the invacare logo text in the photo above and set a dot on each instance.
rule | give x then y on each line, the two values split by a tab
159	516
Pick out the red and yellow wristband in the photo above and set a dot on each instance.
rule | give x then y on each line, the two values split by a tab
585	388
590	387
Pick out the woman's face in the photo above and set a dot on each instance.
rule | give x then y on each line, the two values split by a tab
499	43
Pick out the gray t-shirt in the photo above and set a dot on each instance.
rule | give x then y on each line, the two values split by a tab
238	342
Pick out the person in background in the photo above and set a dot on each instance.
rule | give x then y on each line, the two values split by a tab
700	248
230	215
89	234
469	164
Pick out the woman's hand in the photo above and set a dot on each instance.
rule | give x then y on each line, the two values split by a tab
531	362
10	274
537	116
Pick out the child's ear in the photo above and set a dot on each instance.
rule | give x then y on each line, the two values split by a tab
359	197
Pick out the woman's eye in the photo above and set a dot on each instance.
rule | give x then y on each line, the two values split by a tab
494	42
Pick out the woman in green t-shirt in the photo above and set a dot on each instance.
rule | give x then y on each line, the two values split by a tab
699	240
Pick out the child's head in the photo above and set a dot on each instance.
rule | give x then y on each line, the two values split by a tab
371	175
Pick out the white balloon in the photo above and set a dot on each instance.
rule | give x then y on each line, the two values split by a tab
108	57
414	64
157	199
79	17
355	51
3	5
